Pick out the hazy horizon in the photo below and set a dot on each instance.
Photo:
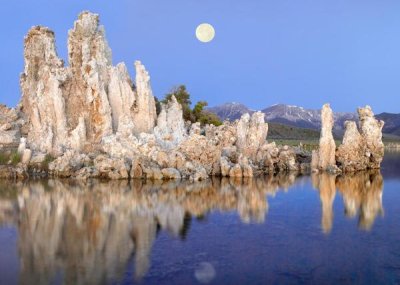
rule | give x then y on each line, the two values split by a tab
304	54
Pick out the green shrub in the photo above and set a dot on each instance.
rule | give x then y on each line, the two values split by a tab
183	97
9	157
197	114
15	158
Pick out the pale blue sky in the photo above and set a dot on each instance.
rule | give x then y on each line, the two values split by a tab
301	52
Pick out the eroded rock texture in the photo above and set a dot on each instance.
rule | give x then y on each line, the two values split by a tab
76	106
251	133
10	124
327	146
170	130
362	149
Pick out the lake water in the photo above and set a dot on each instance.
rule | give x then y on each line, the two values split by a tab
273	230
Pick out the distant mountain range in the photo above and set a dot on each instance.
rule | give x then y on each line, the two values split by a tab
230	111
302	118
392	123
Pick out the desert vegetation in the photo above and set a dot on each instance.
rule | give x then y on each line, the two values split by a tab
195	114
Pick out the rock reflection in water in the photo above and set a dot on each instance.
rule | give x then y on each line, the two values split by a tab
361	193
325	183
88	233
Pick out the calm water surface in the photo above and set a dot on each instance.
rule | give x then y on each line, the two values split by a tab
275	230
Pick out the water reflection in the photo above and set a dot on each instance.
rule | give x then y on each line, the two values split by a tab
88	232
361	192
325	183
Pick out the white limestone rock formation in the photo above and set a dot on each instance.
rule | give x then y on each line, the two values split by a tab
206	152
225	166
77	106
112	168
327	146
267	156
90	63
42	102
10	124
145	114
9	118
171	173
9	137
272	158
236	171
371	131
26	156
136	169
240	145
314	160
170	130
287	159
68	164
251	134
362	149
247	170
351	153
78	136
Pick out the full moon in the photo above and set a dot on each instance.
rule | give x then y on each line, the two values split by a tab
205	33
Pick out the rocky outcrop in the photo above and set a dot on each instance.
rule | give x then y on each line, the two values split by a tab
76	106
351	153
371	131
325	158
170	130
362	149
10	124
145	114
171	173
251	134
68	164
43	103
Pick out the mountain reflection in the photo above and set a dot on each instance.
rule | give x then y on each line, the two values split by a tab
88	232
361	192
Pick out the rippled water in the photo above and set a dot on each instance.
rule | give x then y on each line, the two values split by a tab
275	230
